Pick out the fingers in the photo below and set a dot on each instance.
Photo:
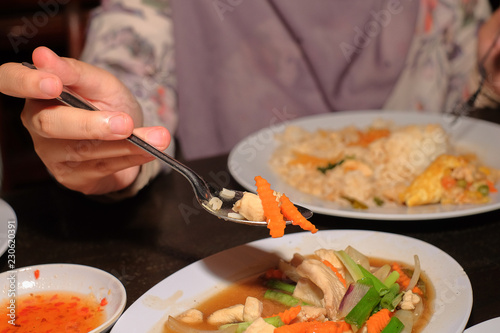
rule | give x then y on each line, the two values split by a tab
96	177
97	167
19	81
62	122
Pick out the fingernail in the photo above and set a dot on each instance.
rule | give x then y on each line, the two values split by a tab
156	137
48	86
118	125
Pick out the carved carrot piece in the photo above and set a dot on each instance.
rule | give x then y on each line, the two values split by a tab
275	221
378	321
291	213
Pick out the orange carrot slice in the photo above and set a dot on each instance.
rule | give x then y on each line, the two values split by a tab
275	221
378	321
291	213
337	273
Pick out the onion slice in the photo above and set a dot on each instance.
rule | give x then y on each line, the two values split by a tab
353	295
179	327
416	274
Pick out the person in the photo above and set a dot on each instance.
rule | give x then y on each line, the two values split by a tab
212	72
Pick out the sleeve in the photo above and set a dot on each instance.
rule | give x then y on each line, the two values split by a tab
133	40
440	69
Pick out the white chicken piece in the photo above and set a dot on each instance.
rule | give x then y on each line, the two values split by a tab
308	292
331	257
253	309
191	316
260	326
250	207
327	281
290	268
310	313
409	301
232	314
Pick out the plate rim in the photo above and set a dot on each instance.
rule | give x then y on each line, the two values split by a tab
464	210
6	208
135	309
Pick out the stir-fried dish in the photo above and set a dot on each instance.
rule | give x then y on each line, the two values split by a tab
329	291
382	165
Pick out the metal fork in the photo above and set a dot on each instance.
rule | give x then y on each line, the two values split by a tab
463	109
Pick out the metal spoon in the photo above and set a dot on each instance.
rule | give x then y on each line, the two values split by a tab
202	190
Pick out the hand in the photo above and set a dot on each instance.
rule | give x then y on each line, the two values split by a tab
487	34
84	150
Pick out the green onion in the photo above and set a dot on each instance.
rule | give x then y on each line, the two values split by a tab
484	190
378	201
356	204
282	298
351	266
241	327
395	326
392	298
329	166
280	285
391	278
361	311
379	285
462	183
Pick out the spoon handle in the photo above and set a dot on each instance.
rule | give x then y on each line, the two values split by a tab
70	98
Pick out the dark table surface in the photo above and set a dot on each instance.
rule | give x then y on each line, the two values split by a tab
144	239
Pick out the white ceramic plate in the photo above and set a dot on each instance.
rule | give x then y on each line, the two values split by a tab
72	278
8	225
250	157
194	283
488	326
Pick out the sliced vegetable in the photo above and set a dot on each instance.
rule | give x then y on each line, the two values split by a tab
289	314
358	257
179	327
404	280
283	298
351	266
291	213
339	276
330	166
241	327
448	182
392	298
361	311
484	190
378	321
280	285
378	201
275	221
356	204
315	326
395	326
391	278
416	273
379	286
353	295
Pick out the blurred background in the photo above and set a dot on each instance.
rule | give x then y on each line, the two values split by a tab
24	25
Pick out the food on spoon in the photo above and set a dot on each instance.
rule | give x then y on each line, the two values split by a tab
373	166
272	207
328	291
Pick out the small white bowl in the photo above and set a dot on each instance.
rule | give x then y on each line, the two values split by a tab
69	278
